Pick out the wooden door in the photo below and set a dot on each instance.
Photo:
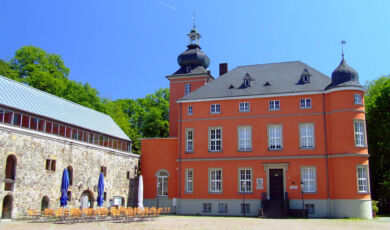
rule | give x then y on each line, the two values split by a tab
276	184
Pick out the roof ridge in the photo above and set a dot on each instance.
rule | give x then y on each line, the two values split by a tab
269	63
66	100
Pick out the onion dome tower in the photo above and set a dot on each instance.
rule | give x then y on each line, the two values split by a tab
193	59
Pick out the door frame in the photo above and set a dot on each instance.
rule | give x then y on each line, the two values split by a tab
267	167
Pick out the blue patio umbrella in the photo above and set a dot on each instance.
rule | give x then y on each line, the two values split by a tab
100	189
64	188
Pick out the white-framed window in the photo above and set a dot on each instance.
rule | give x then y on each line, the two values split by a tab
187	88
189	140
306	78
274	105
305	103
310	208
222	207
244	107
275	141
215	180
189	180
244	138
162	183
357	99
206	207
215	139
306	131
308	176
247	82
360	137
362	179
189	110
245	183
215	108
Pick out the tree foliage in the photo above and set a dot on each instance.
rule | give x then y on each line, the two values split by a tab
144	117
377	102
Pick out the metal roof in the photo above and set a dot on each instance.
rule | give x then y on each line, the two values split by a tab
23	97
266	79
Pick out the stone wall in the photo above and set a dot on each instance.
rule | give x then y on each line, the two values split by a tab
33	181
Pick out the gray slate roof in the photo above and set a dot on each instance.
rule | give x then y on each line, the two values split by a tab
284	77
23	97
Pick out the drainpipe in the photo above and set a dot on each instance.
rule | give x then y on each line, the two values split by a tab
326	158
179	203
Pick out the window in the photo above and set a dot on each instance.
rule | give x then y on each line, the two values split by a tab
308	176
245	208
244	138
307	135
189	180
222	207
50	165
310	208
189	140
274	105
245	180
17	119
162	183
247	82
49	126
275	137
215	108
69	194
41	125
305	103
33	123
362	178
206	207
357	99
187	88
306	78
1	115
8	116
244	107
103	169
128	175
215	180
360	139
25	121
189	110
215	139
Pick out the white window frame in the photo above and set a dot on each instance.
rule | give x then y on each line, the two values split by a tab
189	110
306	140
162	180
189	141
357	99
359	133
189	180
273	140
274	105
362	183
244	107
306	78
215	180
215	108
224	209
246	179
213	142
244	138
305	103
187	88
309	178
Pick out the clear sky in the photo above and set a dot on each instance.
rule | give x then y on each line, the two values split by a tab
125	48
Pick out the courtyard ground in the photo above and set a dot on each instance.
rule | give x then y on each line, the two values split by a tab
200	223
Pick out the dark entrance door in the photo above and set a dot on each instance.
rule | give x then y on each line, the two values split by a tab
7	207
276	184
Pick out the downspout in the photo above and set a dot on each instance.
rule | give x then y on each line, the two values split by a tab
326	158
179	158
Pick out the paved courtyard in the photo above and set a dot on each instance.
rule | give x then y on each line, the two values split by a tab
199	223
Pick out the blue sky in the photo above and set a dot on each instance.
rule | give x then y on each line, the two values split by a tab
125	48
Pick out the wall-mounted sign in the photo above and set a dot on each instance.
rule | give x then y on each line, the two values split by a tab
293	186
259	183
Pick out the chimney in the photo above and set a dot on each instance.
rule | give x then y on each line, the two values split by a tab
223	68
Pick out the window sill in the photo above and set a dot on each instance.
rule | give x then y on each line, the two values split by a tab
243	111
273	150
251	192
273	109
360	146
189	152
215	112
211	151
215	192
310	192
305	107
245	150
189	192
364	193
311	148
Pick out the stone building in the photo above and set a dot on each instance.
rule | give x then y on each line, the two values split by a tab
41	135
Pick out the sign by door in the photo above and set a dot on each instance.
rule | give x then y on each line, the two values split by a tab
259	183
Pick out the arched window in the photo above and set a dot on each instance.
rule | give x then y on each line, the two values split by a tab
162	183
10	168
7	207
70	173
45	203
87	199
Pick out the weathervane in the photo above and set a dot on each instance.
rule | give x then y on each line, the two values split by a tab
343	42
193	19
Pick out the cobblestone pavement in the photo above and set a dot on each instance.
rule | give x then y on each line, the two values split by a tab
199	223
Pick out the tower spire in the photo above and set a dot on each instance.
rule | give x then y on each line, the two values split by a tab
193	20
342	43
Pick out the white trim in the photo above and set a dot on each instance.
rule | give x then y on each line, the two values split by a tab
272	95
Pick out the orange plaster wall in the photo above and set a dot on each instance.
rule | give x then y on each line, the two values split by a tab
156	154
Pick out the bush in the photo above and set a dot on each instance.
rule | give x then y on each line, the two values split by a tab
375	208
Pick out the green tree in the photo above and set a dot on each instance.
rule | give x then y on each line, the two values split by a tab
377	102
7	71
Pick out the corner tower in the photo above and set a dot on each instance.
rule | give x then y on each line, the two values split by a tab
191	75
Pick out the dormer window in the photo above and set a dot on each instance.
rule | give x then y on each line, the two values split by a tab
306	78
247	82
188	69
